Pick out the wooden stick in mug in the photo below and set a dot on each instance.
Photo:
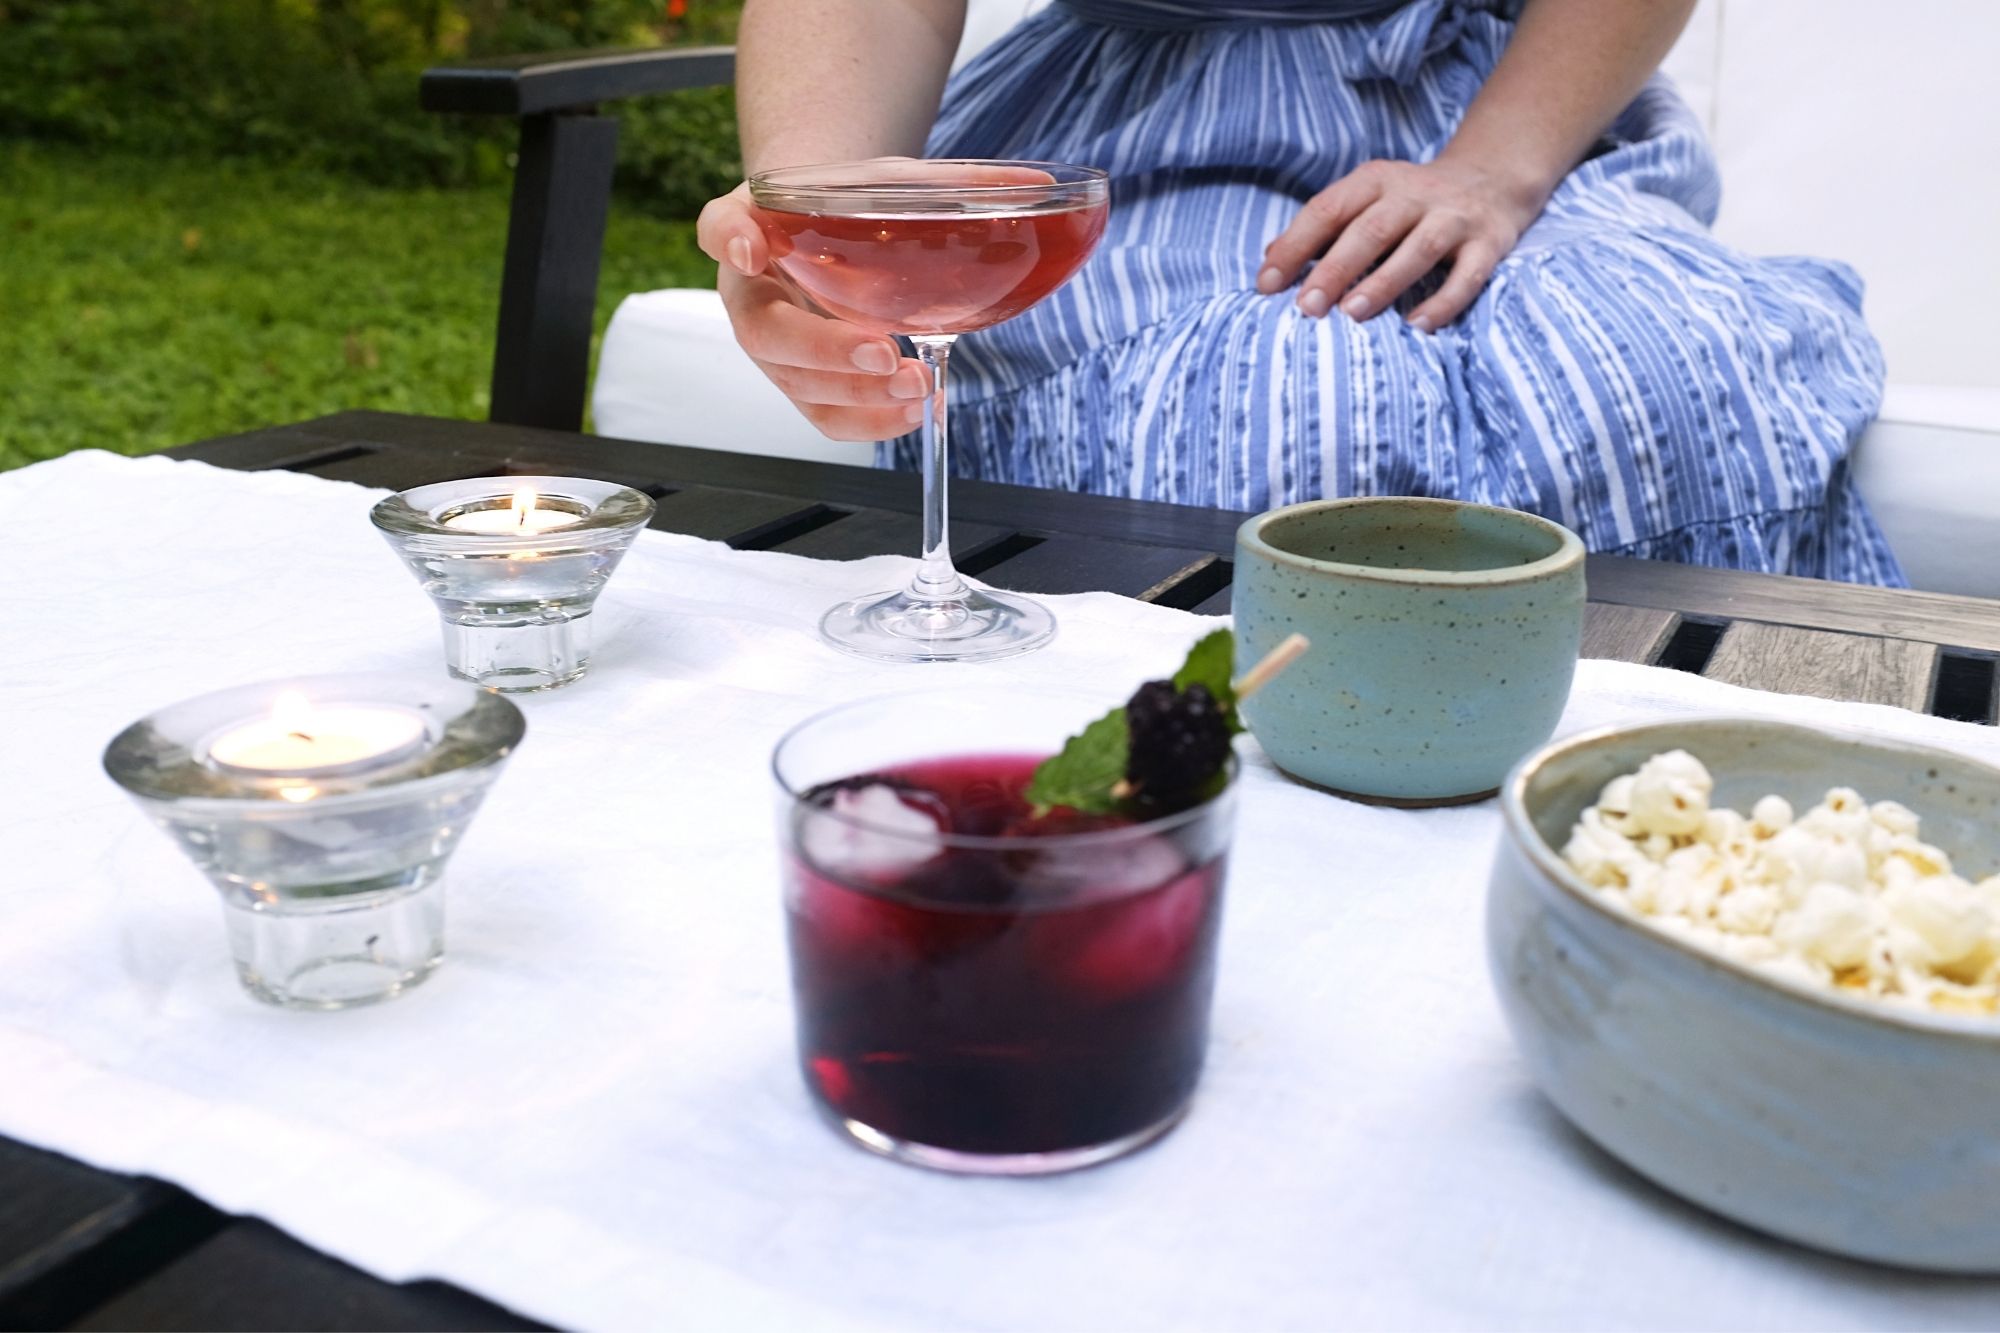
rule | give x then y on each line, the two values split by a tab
1275	661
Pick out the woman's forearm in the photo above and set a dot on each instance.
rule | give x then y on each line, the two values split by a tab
833	80
1570	68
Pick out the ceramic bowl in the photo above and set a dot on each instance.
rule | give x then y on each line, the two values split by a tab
1848	1125
1444	636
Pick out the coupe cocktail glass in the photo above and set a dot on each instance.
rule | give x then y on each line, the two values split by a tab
930	250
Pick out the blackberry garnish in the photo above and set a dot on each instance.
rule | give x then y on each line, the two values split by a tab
1180	741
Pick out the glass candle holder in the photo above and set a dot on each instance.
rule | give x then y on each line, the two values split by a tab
514	583
979	989
323	809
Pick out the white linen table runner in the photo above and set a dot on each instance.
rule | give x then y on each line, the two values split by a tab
591	1112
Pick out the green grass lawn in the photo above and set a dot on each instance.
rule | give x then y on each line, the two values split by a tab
149	303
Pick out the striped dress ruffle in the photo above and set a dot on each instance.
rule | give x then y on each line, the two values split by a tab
1623	373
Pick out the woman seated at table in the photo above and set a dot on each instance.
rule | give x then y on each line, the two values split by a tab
1446	247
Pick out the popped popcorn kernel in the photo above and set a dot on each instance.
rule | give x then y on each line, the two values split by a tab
1770	816
1670	794
1614	804
1943	915
1845	896
1722	826
1752	910
1832	923
1895	817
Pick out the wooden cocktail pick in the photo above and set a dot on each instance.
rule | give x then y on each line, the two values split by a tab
1267	670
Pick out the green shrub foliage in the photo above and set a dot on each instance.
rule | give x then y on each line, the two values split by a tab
332	84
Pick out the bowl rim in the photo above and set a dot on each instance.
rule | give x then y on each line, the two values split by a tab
1569	552
1522	832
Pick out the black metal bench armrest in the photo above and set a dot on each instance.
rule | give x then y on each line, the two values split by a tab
562	196
571	80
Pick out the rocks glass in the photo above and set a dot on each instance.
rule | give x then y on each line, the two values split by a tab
977	989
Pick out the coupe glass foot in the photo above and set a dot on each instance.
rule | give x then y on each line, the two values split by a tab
978	627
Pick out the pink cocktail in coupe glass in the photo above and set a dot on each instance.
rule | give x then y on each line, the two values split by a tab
930	249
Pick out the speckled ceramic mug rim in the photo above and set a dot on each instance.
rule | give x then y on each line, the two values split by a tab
1522	833
1568	552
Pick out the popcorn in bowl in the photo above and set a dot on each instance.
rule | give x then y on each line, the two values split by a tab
1845	895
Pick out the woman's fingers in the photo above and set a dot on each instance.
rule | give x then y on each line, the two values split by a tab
1383	227
728	233
1430	242
863	425
1470	273
1318	223
909	383
774	330
1374	233
850	383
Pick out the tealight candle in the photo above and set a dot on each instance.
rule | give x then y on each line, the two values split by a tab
300	740
525	516
514	584
323	809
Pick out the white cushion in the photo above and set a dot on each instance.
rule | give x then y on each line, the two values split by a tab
1869	132
1695	63
985	20
670	372
1931	472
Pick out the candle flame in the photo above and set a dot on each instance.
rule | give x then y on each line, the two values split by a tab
292	712
298	795
524	505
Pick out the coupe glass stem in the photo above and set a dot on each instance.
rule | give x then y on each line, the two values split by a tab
936	579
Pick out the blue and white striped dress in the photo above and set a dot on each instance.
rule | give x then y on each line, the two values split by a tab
1623	373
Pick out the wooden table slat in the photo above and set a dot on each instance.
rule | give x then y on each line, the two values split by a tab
273	448
1790	660
250	1275
401	469
1216	604
1021	508
1089	564
721	515
1730	594
1941	618
1626	633
882	532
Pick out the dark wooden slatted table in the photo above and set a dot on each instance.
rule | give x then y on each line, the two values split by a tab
89	1249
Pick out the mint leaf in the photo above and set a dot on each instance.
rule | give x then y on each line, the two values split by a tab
1089	765
1086	776
1209	663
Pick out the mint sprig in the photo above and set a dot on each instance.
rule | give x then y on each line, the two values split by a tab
1088	774
1209	663
1084	773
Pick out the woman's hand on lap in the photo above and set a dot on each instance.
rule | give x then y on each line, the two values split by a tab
850	383
1411	217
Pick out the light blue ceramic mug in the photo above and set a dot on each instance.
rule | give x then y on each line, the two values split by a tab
1444	636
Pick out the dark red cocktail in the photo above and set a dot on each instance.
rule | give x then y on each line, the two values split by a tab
981	989
948	271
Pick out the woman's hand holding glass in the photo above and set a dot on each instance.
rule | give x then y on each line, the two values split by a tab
850	383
